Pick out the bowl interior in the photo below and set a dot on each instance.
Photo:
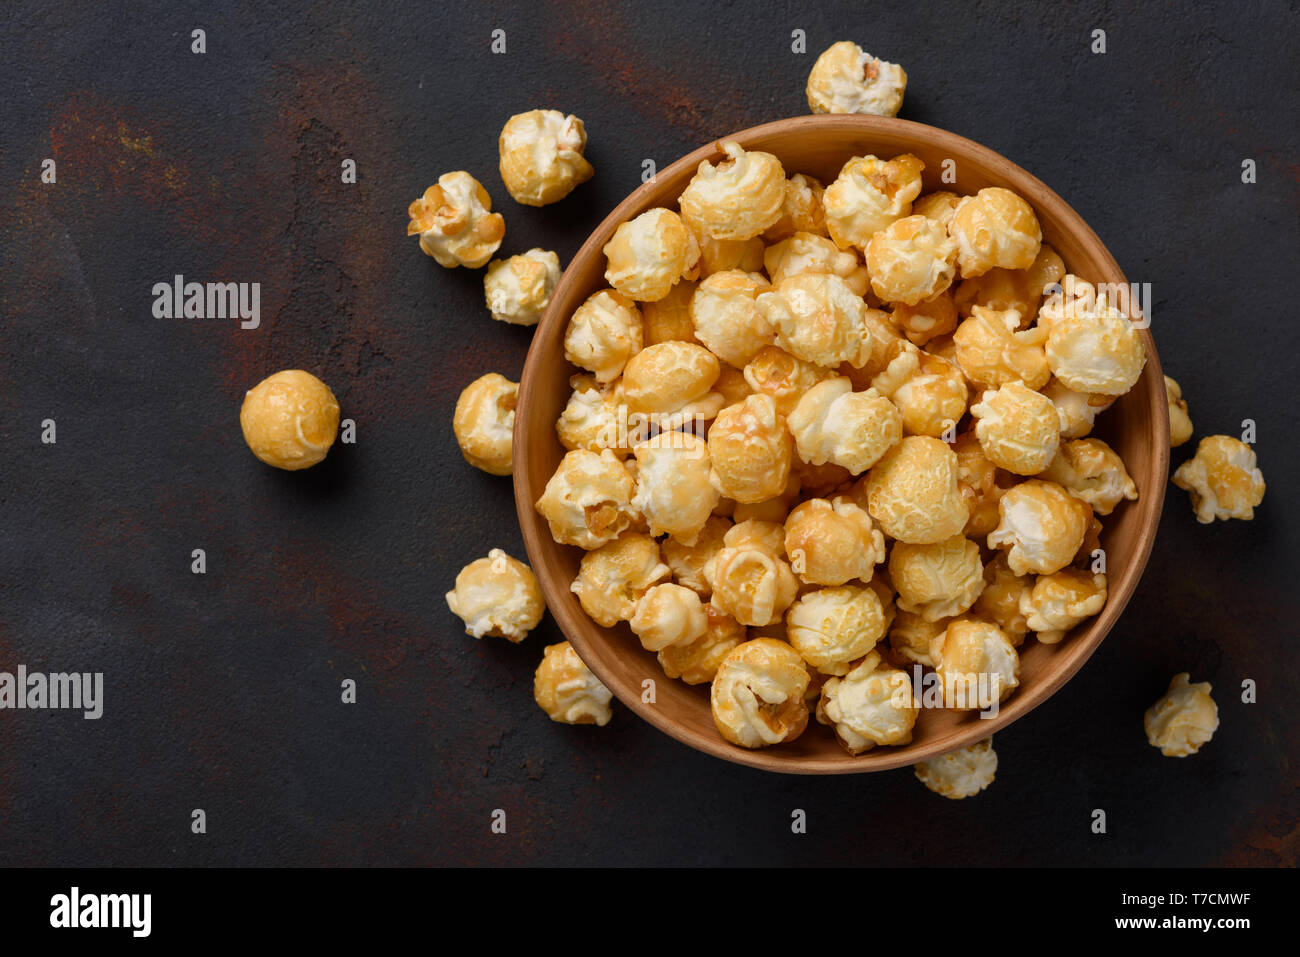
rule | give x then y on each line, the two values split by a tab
1136	426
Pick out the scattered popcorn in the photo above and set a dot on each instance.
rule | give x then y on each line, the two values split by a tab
846	80
290	420
541	156
455	222
499	596
484	423
518	289
1222	480
962	773
1180	423
567	691
1183	720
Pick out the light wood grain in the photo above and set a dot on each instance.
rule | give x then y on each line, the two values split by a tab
1137	426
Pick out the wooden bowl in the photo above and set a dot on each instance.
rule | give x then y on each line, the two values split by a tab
1137	426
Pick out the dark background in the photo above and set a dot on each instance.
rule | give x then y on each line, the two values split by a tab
223	690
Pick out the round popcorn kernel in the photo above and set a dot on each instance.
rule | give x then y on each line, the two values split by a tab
801	210
994	229
977	478
497	595
1183	720
739	197
913	492
868	195
784	377
696	662
1222	480
757	697
290	420
603	334
1018	428
818	318
832	542
1077	410
751	580
595	418
541	156
666	615
847	80
567	691
1005	289
588	501
649	254
939	580
1091	346
992	350
977	664
929	391
484	423
927	319
518	289
669	376
911	259
871	705
455	222
672	485
669	319
805	253
1059	601
1180	423
832	423
938	206
1091	470
911	637
999	602
751	450
962	773
611	579
687	562
1041	525
833	627
727	319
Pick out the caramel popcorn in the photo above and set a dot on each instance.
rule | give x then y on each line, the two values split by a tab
911	259
962	773
938	580
1042	525
833	627
739	197
669	377
1222	480
1018	428
784	377
696	662
992	350
541	156
611	579
913	493
854	430
1180	423
805	253
455	222
818	318
1091	470
846	80
801	210
929	390
687	562
567	691
727	318
668	614
651	253
757	697
868	195
603	334
993	229
497	595
290	420
484	423
1059	601
832	542
1183	720
518	289
871	705
672	485
750	578
974	653
751	450
588	501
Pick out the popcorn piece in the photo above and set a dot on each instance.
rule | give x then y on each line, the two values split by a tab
846	80
772	510
1180	423
290	420
541	156
1005	289
612	578
666	615
928	319
977	478
992	352
1043	525
870	194
687	562
801	210
1091	470
929	390
1183	720
498	596
911	637
913	493
455	222
595	418
784	377
739	197
757	697
669	319
1000	600
962	773
727	319
819	481
1018	428
603	334
669	377
567	691
751	450
938	206
993	229
1059	601
977	664
833	627
649	254
484	423
871	705
854	430
939	580
1091	346
805	253
751	581
832	542
588	501
672	485
720	255
518	289
731	385
1077	410
696	662
911	259
1222	480
817	318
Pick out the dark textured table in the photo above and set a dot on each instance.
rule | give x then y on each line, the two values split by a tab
222	690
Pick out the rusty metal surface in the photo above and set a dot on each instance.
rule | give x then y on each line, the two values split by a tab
222	690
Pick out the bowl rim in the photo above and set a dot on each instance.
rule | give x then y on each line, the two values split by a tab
1020	704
